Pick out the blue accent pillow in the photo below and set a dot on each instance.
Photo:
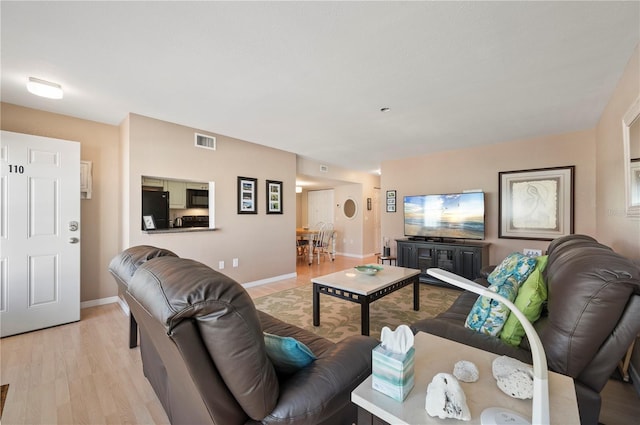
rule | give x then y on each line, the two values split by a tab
487	315
517	265
287	354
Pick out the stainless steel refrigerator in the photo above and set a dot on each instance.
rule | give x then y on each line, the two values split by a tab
156	204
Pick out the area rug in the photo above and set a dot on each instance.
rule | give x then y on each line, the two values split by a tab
340	318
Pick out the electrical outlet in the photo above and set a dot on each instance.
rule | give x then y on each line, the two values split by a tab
220	265
235	262
530	252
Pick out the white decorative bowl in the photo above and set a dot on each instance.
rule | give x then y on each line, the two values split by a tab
368	269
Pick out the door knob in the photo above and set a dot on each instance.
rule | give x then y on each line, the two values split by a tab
74	240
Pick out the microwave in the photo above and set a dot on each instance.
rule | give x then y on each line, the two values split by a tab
197	198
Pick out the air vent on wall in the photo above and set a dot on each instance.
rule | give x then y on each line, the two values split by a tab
206	142
324	168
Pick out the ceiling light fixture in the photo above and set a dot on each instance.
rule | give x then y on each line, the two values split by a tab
44	88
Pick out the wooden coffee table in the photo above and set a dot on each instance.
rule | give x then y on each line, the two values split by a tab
363	289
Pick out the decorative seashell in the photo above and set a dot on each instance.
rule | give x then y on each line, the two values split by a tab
446	399
513	377
466	371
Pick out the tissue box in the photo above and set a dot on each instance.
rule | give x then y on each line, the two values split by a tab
392	372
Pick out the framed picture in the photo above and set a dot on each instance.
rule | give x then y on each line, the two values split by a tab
148	222
536	204
391	201
274	197
247	191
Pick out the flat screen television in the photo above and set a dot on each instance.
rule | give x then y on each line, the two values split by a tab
444	216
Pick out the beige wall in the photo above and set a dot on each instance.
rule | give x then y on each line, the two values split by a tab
599	179
264	244
302	201
615	229
99	215
350	231
478	168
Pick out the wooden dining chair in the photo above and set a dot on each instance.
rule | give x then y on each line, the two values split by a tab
321	242
303	242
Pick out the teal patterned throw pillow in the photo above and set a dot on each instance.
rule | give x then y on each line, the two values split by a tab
517	265
488	316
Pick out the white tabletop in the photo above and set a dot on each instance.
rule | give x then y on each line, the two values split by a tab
435	355
359	283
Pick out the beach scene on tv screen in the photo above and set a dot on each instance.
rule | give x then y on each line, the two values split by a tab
459	216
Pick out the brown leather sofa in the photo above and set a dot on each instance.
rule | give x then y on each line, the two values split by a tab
591	317
203	350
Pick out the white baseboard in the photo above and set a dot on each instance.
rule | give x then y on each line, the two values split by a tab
346	254
124	306
100	301
269	280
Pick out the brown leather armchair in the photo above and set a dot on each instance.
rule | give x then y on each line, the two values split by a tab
203	351
123	266
591	318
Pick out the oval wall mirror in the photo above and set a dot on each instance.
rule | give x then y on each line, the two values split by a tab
350	208
631	138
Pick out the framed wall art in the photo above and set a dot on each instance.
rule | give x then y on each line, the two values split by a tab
391	201
536	204
148	222
247	191
274	197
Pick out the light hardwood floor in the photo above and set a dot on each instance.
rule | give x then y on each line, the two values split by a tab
84	372
305	272
80	373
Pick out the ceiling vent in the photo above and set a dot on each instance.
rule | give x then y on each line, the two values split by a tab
206	142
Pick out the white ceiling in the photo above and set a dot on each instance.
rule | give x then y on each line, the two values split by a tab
311	77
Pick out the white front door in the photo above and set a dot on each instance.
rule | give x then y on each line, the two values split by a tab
39	233
320	206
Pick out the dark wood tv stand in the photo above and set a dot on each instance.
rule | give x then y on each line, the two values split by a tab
462	257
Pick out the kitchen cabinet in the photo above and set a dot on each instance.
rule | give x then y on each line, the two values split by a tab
152	182
198	186
463	258
177	193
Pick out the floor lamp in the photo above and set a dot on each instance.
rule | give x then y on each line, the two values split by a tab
540	401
